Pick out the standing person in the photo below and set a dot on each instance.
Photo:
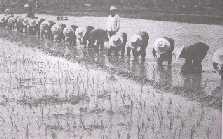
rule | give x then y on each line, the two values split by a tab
8	13
113	21
29	7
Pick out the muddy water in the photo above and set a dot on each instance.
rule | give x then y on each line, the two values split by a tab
49	97
205	88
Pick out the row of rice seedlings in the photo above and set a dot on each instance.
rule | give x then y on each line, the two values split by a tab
118	96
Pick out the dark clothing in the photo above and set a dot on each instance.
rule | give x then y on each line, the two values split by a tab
194	54
111	33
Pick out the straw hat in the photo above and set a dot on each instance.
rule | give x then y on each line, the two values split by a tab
26	5
113	8
135	41
7	10
135	38
161	43
115	40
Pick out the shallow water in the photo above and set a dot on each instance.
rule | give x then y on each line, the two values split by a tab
44	96
205	88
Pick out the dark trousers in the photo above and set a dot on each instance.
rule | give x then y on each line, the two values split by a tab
111	33
192	65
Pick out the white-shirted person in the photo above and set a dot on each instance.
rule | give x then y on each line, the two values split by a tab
113	21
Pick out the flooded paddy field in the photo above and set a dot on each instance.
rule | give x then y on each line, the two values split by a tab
50	91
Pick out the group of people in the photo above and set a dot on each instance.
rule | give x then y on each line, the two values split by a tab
163	48
118	42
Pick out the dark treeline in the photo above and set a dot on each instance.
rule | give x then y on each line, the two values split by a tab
158	5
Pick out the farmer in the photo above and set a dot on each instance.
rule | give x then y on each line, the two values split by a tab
162	50
7	15
113	21
8	12
193	55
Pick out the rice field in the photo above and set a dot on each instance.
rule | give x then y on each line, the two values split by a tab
49	96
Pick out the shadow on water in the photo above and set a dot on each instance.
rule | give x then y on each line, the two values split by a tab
192	82
164	79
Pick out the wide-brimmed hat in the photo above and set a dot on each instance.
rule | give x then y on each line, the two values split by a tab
7	10
135	41
135	38
113	8
116	39
161	43
26	5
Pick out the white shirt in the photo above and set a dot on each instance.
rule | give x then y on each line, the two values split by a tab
113	23
68	31
136	39
115	41
161	46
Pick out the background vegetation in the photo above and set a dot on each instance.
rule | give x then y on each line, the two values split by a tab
182	6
